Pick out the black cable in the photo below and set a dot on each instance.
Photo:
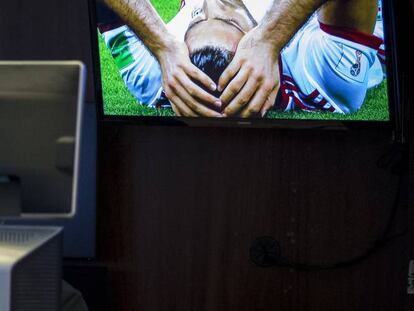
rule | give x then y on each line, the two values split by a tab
378	245
263	251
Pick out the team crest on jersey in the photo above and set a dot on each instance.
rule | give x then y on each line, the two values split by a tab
352	63
356	68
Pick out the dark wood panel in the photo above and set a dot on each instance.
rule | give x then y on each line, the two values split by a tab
180	207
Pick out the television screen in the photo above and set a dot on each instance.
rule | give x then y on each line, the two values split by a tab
328	70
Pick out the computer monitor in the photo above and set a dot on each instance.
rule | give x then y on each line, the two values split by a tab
40	117
41	105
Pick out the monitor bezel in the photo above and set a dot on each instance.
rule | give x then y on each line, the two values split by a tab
394	102
78	128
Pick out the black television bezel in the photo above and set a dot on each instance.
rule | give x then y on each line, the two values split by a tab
395	104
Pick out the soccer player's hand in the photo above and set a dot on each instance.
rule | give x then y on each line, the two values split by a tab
269	103
178	74
251	78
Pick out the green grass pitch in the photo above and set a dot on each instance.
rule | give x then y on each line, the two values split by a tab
118	101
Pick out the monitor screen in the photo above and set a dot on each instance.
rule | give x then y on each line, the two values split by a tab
40	129
327	71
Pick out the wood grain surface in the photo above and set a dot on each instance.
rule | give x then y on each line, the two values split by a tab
180	207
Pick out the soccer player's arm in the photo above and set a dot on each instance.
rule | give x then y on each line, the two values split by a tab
178	73
252	79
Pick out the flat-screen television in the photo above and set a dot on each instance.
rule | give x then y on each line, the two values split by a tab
329	73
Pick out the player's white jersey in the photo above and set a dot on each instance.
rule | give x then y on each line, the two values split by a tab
192	8
326	68
323	68
179	24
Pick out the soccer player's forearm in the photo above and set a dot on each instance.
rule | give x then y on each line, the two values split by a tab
141	16
285	18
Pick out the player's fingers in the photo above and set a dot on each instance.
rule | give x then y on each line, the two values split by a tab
196	92
228	74
183	110
179	107
176	110
195	73
242	99
195	106
170	95
270	102
256	104
235	86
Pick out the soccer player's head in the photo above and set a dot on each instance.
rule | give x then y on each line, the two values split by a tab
214	34
212	61
219	23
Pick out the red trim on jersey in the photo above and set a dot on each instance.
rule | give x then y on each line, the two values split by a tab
299	103
313	95
110	26
307	103
288	79
285	98
323	102
370	41
292	87
288	88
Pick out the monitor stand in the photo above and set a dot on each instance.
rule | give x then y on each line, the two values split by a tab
30	268
10	197
30	257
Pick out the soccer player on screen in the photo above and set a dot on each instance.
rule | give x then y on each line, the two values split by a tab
327	66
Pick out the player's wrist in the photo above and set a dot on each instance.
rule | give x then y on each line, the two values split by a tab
164	47
269	40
